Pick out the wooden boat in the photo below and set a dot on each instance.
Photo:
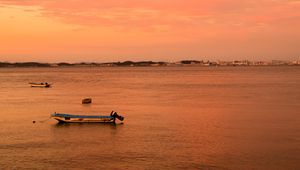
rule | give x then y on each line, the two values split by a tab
71	118
86	101
40	84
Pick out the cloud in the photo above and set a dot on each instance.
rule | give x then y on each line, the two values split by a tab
190	18
145	14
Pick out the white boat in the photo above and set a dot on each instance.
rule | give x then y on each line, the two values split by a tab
72	118
40	84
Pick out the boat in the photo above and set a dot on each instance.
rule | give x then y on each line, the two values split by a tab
73	118
40	84
87	101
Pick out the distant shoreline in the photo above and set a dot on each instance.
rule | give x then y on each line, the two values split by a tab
153	64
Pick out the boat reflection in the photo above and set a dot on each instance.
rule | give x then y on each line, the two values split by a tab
62	124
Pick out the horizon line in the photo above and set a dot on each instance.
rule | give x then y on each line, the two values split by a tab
116	61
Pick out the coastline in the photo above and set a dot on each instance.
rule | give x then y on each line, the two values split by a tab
189	63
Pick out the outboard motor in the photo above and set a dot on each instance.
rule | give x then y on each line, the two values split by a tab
115	115
121	118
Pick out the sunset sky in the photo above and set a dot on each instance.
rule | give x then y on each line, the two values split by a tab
168	30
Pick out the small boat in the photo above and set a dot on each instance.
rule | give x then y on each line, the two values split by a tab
40	84
87	101
71	118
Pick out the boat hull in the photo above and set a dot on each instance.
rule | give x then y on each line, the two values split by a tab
83	120
40	85
87	101
69	118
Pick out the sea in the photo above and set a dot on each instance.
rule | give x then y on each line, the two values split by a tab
175	118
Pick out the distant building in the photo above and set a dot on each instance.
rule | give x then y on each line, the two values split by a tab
241	63
296	62
279	62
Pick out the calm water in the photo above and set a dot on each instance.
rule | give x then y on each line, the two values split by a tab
175	118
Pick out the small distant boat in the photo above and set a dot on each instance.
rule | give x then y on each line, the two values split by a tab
71	118
40	84
87	101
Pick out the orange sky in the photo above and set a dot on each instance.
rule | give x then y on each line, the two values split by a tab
169	30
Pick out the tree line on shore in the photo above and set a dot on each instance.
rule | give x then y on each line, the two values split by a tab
148	63
65	64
